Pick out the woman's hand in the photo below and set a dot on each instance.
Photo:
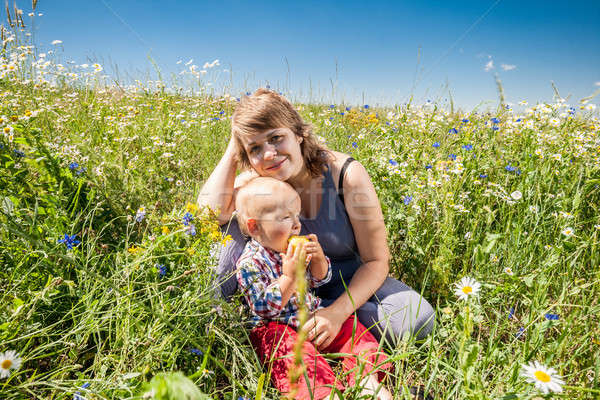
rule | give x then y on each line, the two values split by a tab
323	326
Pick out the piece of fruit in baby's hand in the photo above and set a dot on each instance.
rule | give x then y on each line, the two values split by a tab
295	239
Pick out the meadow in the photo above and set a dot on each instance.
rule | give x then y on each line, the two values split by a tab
107	265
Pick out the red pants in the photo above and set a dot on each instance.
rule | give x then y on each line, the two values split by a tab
274	344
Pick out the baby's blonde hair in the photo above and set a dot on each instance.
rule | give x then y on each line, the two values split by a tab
257	197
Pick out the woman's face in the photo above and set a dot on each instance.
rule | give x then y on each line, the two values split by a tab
275	153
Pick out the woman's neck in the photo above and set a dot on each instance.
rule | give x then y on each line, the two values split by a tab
302	181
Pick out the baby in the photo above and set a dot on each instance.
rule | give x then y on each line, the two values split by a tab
268	211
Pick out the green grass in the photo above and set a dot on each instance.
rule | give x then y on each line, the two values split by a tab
102	313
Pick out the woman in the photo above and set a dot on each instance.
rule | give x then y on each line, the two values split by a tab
339	205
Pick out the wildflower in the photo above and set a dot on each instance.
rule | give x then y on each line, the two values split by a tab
187	218
516	195
508	271
354	144
453	131
428	166
191	230
468	236
568	231
551	317
483	176
466	288
197	352
465	121
436	145
165	229
77	395
73	166
141	214
452	157
511	312
468	147
520	333
9	360
161	269
191	207
548	247
495	120
393	163
545	379
366	106
407	200
69	241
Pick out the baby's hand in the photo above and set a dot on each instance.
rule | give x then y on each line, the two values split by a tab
294	258
316	257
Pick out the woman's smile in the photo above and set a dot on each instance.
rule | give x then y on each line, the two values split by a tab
276	166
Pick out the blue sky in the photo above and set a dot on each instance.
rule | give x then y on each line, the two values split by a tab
377	53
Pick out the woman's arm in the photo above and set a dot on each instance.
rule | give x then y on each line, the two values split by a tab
218	191
368	225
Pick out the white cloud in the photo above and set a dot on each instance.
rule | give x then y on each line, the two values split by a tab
508	67
489	66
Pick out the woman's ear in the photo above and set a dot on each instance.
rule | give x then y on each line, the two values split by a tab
299	138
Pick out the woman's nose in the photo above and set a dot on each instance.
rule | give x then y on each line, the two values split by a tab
269	152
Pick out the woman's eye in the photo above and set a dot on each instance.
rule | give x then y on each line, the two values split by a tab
275	138
254	149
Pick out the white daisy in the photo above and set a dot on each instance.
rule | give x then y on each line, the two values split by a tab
466	288
568	231
545	379
9	360
516	195
508	271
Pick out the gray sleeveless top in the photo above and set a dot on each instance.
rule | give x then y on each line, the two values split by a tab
332	227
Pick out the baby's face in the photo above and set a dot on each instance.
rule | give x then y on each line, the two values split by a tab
281	221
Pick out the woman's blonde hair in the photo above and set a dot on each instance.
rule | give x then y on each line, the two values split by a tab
265	110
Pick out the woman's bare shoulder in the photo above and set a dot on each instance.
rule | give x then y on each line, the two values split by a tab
336	162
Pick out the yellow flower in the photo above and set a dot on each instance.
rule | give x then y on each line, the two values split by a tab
191	251
165	230
226	240
135	249
215	235
191	207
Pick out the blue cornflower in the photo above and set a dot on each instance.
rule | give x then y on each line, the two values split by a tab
19	153
191	230
354	144
453	131
221	112
407	200
80	171
161	269
452	157
216	119
197	352
69	241
342	113
86	385
511	312
495	128
331	118
495	120
140	214
393	162
436	144
518	120
551	317
510	168
73	166
187	218
468	147
347	108
366	106
332	106
428	166
483	176
465	121
78	396
520	333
